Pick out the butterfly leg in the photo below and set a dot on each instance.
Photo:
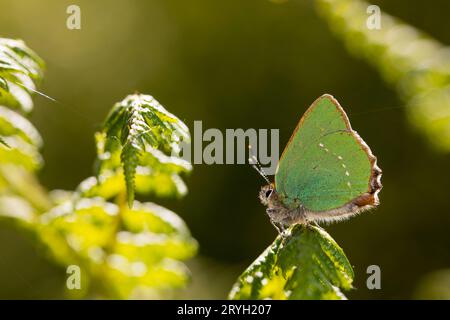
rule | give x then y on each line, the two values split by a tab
280	219
282	229
314	223
284	232
277	226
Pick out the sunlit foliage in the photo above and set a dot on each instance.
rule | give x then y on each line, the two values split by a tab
306	264
123	247
141	133
415	63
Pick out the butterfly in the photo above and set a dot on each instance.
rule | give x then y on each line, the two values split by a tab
326	171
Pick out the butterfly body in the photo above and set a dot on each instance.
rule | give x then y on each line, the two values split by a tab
326	172
280	215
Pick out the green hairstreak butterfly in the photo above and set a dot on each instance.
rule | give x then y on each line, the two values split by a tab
326	172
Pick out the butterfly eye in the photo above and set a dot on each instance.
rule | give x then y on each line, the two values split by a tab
268	193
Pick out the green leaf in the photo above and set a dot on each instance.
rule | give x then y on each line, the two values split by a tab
129	158
151	217
19	152
124	250
141	132
12	123
20	67
22	182
138	251
85	225
413	62
147	181
17	56
307	264
16	97
14	207
3	142
4	84
20	70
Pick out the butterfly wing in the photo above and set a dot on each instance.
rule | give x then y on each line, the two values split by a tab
326	165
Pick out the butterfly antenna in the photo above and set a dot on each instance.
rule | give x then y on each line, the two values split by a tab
256	165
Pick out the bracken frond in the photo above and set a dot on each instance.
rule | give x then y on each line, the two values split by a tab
140	132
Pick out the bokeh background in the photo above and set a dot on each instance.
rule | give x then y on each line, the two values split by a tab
233	64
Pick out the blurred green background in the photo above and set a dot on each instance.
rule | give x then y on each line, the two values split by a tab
232	64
